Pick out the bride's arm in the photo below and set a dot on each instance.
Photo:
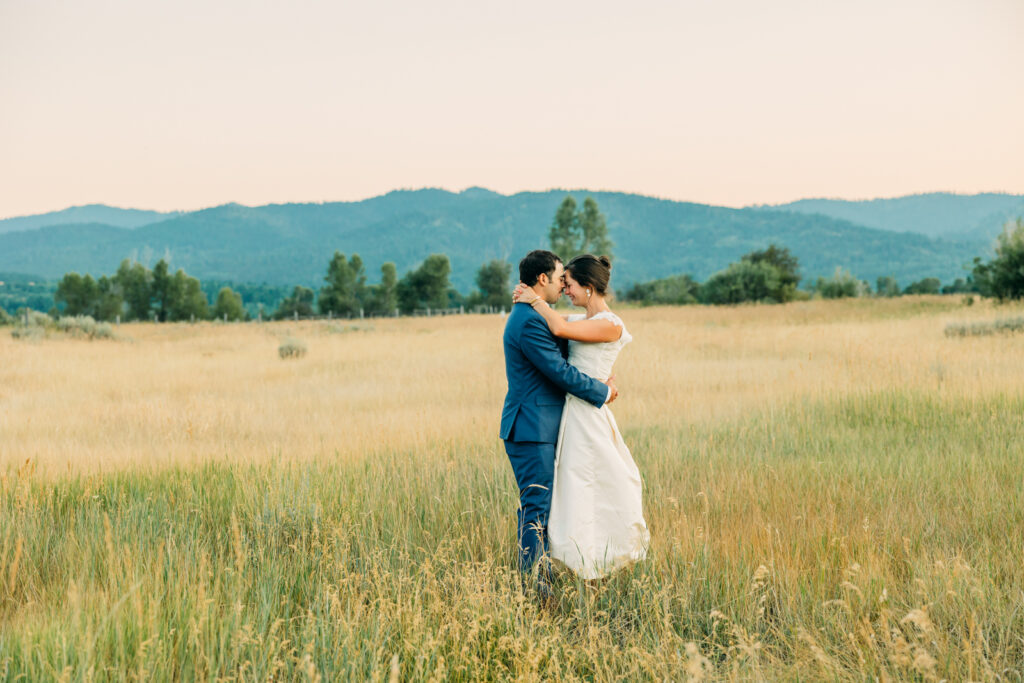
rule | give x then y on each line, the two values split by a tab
579	330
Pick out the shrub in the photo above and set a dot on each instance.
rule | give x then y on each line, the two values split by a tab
929	285
674	290
5	317
32	318
335	328
961	286
32	333
985	329
840	286
887	286
84	327
742	281
77	325
291	348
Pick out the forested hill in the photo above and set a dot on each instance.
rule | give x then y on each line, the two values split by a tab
292	243
937	214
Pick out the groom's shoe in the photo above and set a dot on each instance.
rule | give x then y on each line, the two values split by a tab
544	594
537	586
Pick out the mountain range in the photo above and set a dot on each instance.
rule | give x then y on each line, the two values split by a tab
950	216
929	235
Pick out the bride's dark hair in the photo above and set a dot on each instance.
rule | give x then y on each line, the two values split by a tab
591	271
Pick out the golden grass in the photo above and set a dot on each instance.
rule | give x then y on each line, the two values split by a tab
834	491
174	394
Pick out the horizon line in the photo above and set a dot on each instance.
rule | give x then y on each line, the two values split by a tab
513	194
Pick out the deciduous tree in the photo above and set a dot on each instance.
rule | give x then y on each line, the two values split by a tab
300	303
1003	276
345	290
187	298
788	268
78	294
229	305
134	280
492	279
385	295
427	286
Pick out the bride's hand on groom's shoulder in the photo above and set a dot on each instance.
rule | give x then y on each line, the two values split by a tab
523	294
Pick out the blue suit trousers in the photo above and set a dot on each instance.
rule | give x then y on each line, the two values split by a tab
534	467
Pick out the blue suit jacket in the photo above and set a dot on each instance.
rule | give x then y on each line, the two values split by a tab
538	379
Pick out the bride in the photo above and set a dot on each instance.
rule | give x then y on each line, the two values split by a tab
596	524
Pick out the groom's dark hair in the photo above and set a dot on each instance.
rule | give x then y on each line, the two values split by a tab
536	262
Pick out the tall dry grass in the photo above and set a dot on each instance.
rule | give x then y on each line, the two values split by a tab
834	491
175	394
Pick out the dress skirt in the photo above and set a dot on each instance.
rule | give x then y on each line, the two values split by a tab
596	524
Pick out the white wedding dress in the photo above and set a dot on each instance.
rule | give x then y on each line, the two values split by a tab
596	524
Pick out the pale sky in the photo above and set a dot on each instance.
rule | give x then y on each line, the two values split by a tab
188	104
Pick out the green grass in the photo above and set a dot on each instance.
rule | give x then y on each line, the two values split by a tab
876	537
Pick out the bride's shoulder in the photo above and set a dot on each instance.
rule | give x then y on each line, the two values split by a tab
608	315
625	337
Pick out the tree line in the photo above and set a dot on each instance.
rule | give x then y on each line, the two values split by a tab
770	275
135	292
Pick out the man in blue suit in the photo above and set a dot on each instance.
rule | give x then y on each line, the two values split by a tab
538	379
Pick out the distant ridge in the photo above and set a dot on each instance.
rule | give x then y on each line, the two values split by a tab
935	214
89	213
292	243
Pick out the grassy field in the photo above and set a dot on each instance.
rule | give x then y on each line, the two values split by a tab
835	490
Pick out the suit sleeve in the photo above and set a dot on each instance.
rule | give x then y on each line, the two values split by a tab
541	349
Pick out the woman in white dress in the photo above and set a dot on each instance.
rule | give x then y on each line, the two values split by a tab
596	524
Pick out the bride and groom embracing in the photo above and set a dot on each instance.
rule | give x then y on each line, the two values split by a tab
579	489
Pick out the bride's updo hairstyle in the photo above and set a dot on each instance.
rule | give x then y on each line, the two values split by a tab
591	271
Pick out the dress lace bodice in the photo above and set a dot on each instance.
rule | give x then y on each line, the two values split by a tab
597	359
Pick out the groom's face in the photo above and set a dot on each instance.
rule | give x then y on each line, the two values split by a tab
553	288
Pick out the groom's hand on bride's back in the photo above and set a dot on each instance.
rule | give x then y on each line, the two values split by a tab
614	393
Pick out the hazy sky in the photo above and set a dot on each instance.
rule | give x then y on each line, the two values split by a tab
186	104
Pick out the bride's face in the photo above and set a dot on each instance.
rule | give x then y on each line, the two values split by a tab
576	292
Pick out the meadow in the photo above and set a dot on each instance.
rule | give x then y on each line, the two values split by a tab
835	491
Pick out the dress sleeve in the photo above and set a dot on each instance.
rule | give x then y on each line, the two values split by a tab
626	337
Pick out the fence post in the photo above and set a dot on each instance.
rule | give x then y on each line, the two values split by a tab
296	316
396	313
225	317
360	312
192	318
330	315
119	319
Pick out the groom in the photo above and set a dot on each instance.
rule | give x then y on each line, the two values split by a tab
538	379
